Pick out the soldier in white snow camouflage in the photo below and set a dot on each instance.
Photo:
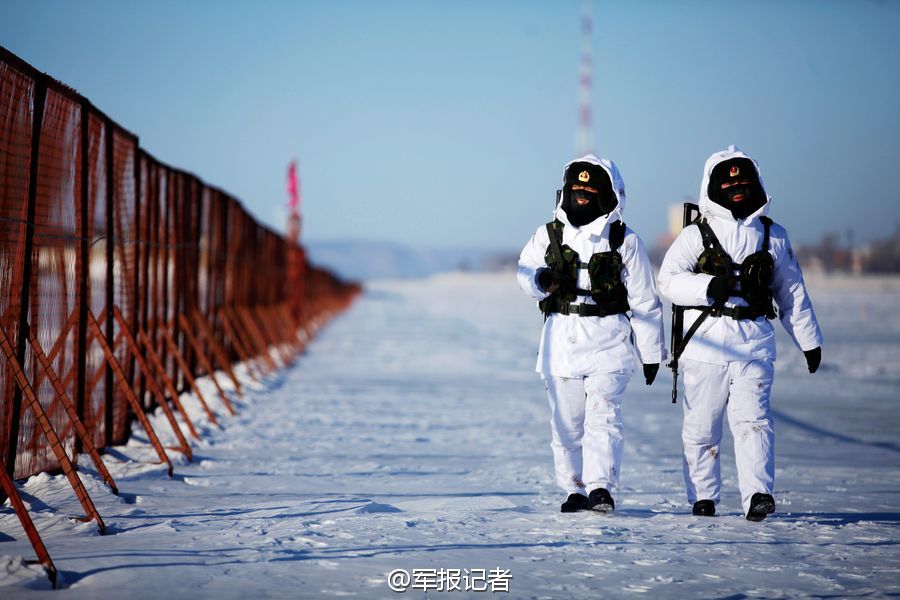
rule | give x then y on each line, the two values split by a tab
592	278
727	269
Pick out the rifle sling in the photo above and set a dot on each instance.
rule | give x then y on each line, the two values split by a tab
677	352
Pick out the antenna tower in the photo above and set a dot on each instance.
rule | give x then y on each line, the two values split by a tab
584	135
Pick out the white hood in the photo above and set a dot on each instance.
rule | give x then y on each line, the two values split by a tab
709	208
596	226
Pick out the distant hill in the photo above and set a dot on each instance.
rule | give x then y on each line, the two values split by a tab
365	260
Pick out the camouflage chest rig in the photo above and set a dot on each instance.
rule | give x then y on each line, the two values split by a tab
753	277
604	270
750	280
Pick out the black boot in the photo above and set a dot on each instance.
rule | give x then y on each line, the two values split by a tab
704	508
760	505
600	500
574	503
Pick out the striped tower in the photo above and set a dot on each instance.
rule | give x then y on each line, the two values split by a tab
584	135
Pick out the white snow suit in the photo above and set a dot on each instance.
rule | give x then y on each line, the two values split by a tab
587	361
728	362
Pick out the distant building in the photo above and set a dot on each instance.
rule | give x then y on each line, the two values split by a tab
664	240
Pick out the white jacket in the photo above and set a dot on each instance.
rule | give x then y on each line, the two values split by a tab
574	346
723	339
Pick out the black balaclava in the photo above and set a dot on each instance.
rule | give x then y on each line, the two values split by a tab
737	170
600	203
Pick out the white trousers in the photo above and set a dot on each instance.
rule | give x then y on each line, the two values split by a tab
740	389
586	425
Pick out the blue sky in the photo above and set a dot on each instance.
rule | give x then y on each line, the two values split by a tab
446	124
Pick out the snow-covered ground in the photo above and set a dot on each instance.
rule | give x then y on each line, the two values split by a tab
414	435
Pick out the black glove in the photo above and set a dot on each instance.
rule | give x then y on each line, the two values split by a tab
719	289
650	372
813	358
550	280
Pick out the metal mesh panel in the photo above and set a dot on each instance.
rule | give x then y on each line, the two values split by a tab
219	258
95	223
124	266
98	237
16	107
168	308
190	270
53	289
160	256
231	251
247	294
205	260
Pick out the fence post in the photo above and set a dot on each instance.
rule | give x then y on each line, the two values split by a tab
186	371
218	351
84	269
201	357
129	393
136	266
27	524
243	352
157	363
165	248
243	317
40	416
131	344
108	424
62	396
143	293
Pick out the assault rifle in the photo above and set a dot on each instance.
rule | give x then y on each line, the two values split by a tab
690	214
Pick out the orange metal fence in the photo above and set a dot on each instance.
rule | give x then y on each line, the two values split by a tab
122	279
